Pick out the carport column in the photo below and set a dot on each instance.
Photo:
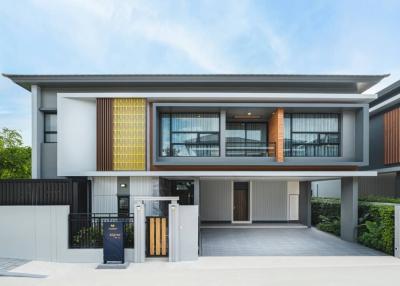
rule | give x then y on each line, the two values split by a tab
305	203
173	232
349	208
139	232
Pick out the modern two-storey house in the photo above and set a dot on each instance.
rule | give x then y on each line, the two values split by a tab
244	148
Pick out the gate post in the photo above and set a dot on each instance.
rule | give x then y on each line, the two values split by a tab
173	232
397	231
139	232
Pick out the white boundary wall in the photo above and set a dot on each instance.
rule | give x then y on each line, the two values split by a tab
41	233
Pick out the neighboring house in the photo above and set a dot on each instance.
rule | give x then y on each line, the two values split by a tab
384	151
244	148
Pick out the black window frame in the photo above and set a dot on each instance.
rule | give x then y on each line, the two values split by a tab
123	214
266	143
45	132
198	133
319	133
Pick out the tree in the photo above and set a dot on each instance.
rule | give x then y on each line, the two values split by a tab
15	158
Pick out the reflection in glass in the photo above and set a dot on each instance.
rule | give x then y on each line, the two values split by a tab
246	139
312	135
190	134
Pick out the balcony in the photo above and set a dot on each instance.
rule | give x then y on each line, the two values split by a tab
250	149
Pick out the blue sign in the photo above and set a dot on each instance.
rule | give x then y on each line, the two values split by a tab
113	242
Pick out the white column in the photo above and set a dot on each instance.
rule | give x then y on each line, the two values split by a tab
196	191
222	129
139	232
37	126
173	232
349	209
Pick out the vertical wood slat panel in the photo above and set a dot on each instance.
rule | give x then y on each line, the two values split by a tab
391	122
164	236
104	134
151	244
276	127
158	237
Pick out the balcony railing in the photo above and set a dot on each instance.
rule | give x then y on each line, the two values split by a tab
86	229
250	149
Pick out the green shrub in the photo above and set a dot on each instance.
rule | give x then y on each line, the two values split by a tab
88	237
380	199
375	227
92	237
331	225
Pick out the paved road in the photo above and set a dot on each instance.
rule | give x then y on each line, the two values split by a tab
221	271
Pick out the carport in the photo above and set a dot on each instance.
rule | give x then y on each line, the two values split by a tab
276	241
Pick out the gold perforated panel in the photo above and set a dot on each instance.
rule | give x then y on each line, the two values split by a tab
129	134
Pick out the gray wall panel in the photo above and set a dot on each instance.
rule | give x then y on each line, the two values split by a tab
49	161
348	133
215	200
269	200
49	98
382	185
376	131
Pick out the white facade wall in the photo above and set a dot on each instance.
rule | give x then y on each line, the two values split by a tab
270	200
104	195
42	235
144	186
76	136
105	190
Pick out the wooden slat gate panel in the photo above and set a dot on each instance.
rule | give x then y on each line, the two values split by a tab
157	236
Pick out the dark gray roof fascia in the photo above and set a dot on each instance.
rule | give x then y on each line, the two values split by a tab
361	82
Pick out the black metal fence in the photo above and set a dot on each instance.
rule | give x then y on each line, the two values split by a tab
73	192
86	229
250	149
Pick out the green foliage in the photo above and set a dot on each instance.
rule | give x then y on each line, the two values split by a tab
331	225
88	237
376	226
380	199
92	237
376	222
15	159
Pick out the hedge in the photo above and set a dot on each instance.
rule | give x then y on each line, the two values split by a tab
375	225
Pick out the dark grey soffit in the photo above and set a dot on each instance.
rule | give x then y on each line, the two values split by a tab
207	82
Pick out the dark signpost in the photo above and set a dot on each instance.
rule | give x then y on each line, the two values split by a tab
113	242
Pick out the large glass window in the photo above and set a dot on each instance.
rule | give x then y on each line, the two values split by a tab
50	127
189	134
312	135
246	139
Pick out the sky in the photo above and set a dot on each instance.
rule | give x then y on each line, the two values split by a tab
189	36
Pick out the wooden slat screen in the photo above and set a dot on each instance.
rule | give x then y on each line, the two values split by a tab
157	239
391	124
104	134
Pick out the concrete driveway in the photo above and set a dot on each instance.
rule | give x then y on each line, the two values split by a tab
277	242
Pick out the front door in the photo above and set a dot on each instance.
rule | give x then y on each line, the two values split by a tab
241	201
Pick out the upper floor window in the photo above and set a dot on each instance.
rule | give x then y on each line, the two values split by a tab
189	134
246	139
50	127
312	135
